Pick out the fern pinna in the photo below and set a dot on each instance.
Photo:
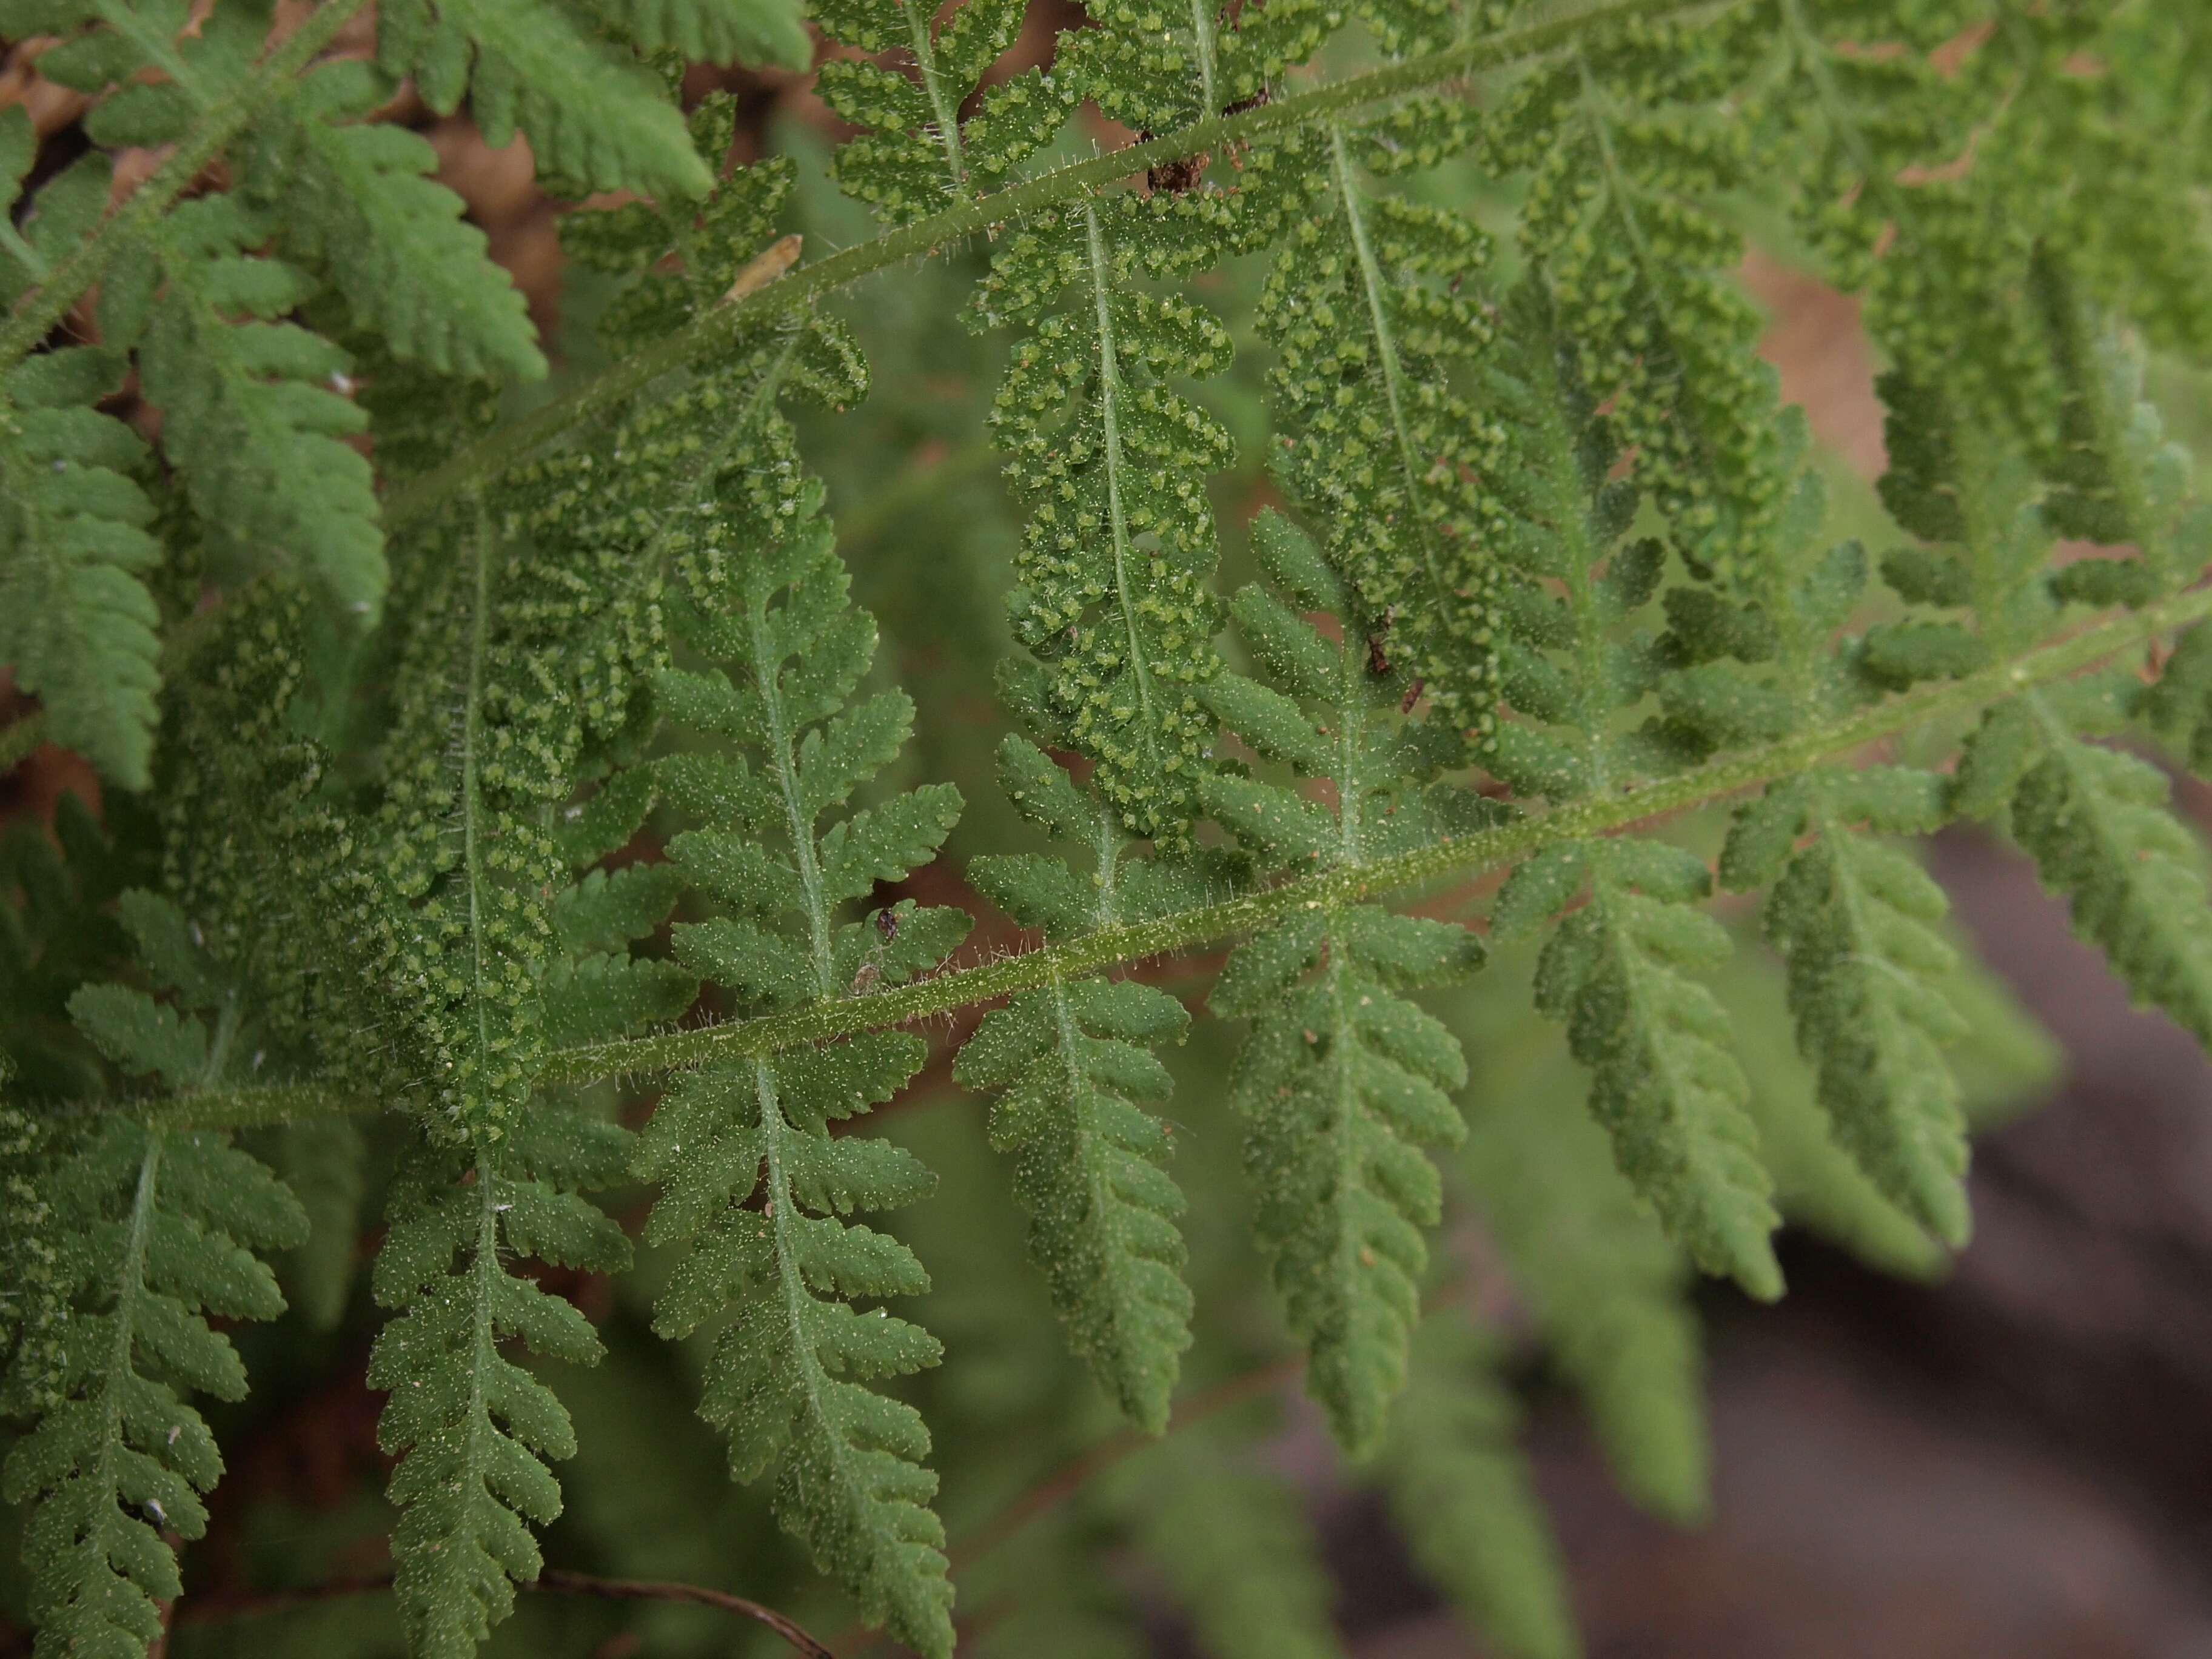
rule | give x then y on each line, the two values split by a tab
519	897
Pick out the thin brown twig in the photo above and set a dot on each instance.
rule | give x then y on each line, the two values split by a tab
1071	1476
553	1581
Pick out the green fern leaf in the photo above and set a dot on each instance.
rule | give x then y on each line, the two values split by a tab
471	1428
1628	153
1156	69
167	1228
1460	1491
1378	445
75	619
1121	538
1663	1081
2097	823
591	113
769	597
756	33
1855	921
1343	1080
1074	1065
62	212
354	201
253	419
170	1226
916	155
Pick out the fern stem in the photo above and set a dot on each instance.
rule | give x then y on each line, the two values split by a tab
45	306
946	108
492	454
1109	947
1201	29
553	1581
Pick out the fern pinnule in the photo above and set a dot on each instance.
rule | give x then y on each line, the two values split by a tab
787	1380
1365	311
1619	969
1460	1489
472	1429
1074	1065
165	1229
1626	149
1344	1080
1120	539
353	202
916	152
76	618
255	416
1157	68
592	112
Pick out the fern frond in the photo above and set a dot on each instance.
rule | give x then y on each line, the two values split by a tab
1629	153
1075	1066
1606	1288
1120	539
353	201
1459	1491
768	596
1343	1080
471	1428
254	418
165	1230
916	153
592	112
1663	1083
75	619
1378	445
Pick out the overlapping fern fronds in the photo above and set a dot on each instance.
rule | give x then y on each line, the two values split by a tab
507	797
